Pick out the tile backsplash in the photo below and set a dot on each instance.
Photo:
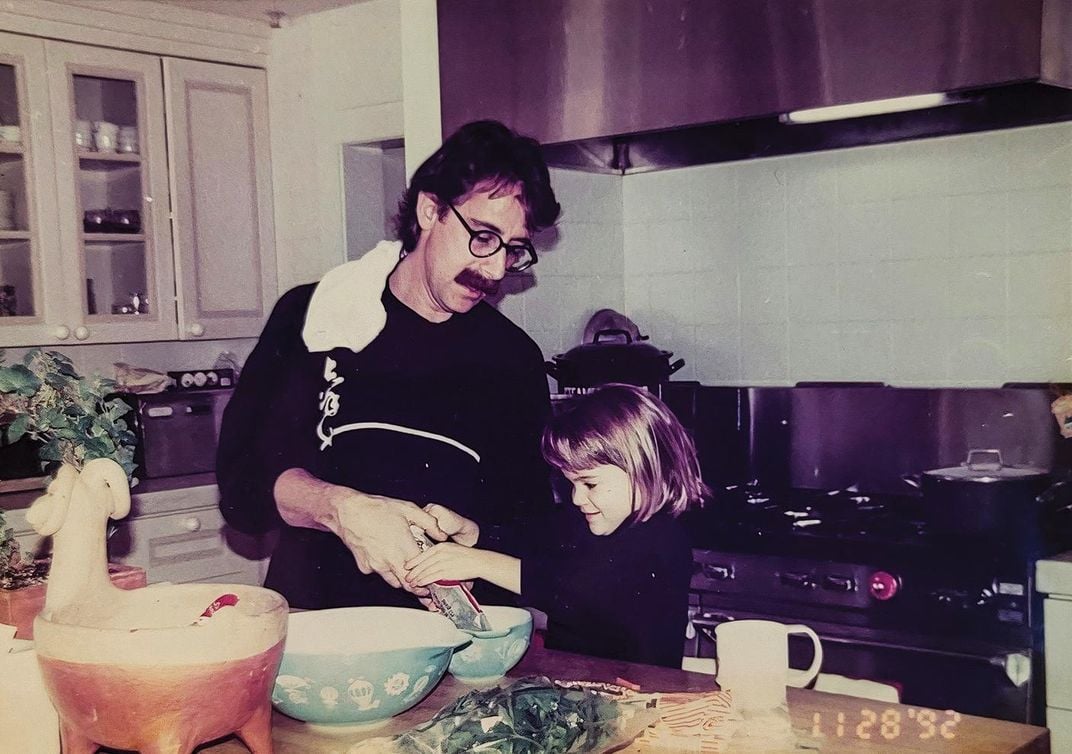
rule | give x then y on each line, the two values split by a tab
940	262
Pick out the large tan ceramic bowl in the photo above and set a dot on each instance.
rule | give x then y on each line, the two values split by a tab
147	675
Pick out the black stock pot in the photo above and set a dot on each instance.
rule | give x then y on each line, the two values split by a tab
984	497
612	356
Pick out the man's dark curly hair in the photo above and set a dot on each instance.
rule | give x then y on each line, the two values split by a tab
484	154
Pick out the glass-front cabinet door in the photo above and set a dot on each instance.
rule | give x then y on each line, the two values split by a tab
30	258
112	192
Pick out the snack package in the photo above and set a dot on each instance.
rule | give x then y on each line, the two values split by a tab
453	598
532	715
708	723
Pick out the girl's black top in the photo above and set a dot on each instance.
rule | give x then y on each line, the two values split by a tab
623	596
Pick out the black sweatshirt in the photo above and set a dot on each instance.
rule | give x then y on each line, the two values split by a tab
622	596
446	412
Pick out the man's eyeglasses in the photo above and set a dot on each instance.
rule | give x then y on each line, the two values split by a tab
486	243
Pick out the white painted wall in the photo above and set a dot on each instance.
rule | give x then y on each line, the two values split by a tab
334	78
938	262
581	265
420	81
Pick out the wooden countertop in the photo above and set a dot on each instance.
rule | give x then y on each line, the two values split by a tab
976	735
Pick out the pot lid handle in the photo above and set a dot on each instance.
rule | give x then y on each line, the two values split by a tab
613	332
984	460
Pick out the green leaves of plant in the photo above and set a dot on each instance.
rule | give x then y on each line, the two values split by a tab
18	379
17	429
532	715
73	417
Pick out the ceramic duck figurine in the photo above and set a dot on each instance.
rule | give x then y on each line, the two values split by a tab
145	669
74	511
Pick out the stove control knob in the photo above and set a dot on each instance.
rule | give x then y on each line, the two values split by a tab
883	585
717	571
797	580
834	583
952	598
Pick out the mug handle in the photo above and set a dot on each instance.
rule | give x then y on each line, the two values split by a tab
801	678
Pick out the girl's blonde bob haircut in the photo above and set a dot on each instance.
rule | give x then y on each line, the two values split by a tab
628	427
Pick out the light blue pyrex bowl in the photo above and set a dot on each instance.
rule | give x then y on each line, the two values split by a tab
492	653
359	666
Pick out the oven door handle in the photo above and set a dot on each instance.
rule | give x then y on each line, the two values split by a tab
1017	666
710	620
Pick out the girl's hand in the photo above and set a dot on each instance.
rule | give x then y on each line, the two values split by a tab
445	562
462	530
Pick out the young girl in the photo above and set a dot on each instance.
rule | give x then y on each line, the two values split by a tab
622	593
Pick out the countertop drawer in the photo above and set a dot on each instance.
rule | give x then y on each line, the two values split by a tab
188	545
176	535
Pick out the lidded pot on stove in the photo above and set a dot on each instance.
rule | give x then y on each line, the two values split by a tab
613	351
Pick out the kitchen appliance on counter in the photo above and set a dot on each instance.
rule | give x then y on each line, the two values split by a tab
814	521
178	430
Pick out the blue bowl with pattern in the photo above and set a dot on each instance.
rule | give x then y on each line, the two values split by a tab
493	653
356	667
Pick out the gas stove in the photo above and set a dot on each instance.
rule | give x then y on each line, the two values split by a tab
891	598
832	536
866	560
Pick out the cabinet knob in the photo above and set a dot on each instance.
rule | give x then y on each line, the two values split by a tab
193	523
81	332
196	329
62	332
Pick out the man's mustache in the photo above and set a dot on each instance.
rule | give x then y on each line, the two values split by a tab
476	281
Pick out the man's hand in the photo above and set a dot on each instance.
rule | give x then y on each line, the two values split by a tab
459	528
376	529
446	561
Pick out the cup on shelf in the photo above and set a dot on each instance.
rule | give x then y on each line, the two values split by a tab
105	136
127	139
9	302
96	221
7	210
83	135
126	221
12	134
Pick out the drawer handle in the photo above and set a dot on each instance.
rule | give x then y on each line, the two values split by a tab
193	523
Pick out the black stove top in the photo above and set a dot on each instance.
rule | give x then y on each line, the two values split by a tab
847	525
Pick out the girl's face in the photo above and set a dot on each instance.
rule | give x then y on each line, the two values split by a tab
604	495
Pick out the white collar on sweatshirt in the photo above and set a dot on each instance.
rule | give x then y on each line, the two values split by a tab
345	310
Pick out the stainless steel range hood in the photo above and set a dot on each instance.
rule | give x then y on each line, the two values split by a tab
632	85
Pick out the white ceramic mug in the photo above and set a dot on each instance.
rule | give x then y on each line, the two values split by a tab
105	135
83	134
753	662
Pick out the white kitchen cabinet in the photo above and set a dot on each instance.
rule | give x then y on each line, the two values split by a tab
1054	579
188	250
30	262
176	535
106	269
220	181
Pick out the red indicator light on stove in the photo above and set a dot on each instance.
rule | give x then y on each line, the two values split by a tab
883	585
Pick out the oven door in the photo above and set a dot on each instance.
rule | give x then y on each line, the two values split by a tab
990	682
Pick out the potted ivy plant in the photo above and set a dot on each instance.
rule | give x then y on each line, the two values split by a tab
73	420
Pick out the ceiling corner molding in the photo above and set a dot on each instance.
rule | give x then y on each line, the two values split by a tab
141	26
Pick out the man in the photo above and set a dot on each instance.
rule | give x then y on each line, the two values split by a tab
391	384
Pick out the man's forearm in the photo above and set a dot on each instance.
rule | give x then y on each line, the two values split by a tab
307	501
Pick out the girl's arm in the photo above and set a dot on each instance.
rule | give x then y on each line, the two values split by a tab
454	562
